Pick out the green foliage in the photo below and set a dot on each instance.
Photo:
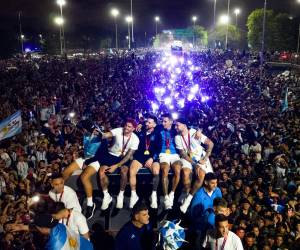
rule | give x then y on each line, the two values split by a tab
201	35
219	35
279	33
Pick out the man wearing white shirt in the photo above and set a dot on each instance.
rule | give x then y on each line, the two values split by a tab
74	220
193	158
221	238
125	144
4	156
64	194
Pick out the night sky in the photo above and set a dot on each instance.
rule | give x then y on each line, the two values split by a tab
92	16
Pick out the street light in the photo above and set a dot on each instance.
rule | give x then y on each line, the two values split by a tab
129	20
60	21
227	26
237	11
224	19
115	13
298	44
194	19
62	3
157	19
131	14
215	8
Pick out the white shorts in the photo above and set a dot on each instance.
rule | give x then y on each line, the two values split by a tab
207	168
168	158
94	164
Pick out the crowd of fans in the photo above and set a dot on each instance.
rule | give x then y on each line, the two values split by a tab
256	151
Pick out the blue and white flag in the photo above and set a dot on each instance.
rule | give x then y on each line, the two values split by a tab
90	144
11	126
61	238
171	235
284	102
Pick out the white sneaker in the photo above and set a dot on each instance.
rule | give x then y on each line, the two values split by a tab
186	204
107	199
168	203
171	198
182	197
153	200
133	200
120	201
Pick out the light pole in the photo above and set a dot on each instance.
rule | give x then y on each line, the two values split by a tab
298	44
227	26
131	14
156	19
61	3
21	35
237	11
115	13
263	36
194	19
22	43
60	21
215	9
224	20
129	21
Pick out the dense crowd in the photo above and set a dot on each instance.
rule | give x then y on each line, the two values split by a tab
256	151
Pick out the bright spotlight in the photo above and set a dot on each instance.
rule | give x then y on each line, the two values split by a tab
61	2
174	116
59	21
224	19
168	100
154	106
190	97
129	19
71	114
181	103
35	198
237	11
178	70
115	12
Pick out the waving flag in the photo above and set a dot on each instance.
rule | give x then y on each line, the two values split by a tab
11	126
171	235
90	145
284	102
61	238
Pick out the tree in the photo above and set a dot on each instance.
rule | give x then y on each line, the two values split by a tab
279	33
285	37
218	36
201	35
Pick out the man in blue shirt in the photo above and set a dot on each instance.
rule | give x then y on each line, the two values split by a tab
202	205
136	234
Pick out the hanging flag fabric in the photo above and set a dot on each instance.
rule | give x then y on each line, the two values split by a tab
91	144
171	235
284	102
61	238
11	126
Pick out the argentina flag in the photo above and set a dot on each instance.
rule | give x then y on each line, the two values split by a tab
171	235
11	126
61	238
90	144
